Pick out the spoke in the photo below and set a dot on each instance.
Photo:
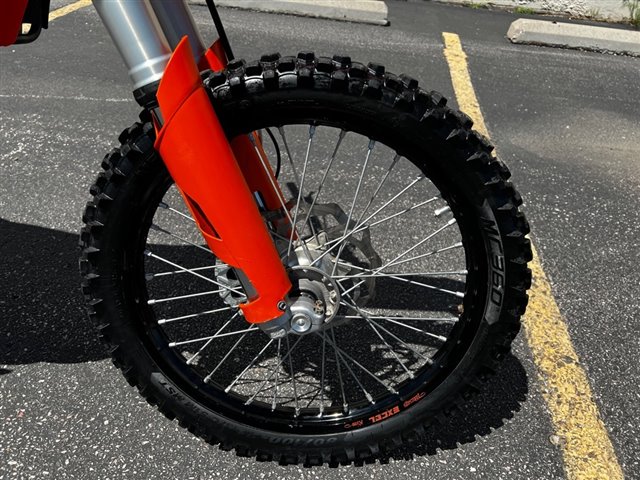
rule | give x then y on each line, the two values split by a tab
235	345
364	390
399	340
421	242
275	384
433	335
280	362
266	168
345	404
312	131
364	227
154	301
197	354
289	156
428	254
358	310
344	355
324	176
149	253
167	232
420	284
170	208
275	393
427	238
399	277
293	378
255	359
162	321
344	237
393	274
393	352
366	317
378	317
150	276
283	203
384	179
359	221
429	361
322	364
213	337
353	203
401	212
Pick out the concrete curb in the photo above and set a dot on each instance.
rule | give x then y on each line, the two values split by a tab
608	10
359	11
569	35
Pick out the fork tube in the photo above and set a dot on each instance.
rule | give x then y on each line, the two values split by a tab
138	36
176	22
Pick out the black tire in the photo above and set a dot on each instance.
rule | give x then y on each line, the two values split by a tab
389	109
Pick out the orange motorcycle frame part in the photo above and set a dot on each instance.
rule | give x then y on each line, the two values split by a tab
217	180
11	21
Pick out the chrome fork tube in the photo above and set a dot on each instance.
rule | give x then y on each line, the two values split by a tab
145	32
176	22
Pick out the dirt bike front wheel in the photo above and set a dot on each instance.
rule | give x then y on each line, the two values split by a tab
410	241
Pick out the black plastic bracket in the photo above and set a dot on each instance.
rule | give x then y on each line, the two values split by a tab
36	15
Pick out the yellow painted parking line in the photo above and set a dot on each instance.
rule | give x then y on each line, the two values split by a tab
586	447
72	7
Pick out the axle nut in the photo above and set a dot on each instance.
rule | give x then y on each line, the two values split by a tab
300	323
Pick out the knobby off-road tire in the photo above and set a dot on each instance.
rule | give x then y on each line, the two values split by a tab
383	107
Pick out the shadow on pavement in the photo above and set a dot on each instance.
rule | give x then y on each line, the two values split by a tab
41	307
43	320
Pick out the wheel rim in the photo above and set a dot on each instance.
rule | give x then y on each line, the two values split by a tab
323	379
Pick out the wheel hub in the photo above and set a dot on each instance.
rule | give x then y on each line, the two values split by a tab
315	299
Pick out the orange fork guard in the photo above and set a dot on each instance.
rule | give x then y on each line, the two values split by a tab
257	179
198	155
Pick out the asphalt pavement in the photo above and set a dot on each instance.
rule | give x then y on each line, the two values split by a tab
566	122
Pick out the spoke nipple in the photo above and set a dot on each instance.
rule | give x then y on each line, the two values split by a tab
442	210
163	205
147	253
372	144
451	222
